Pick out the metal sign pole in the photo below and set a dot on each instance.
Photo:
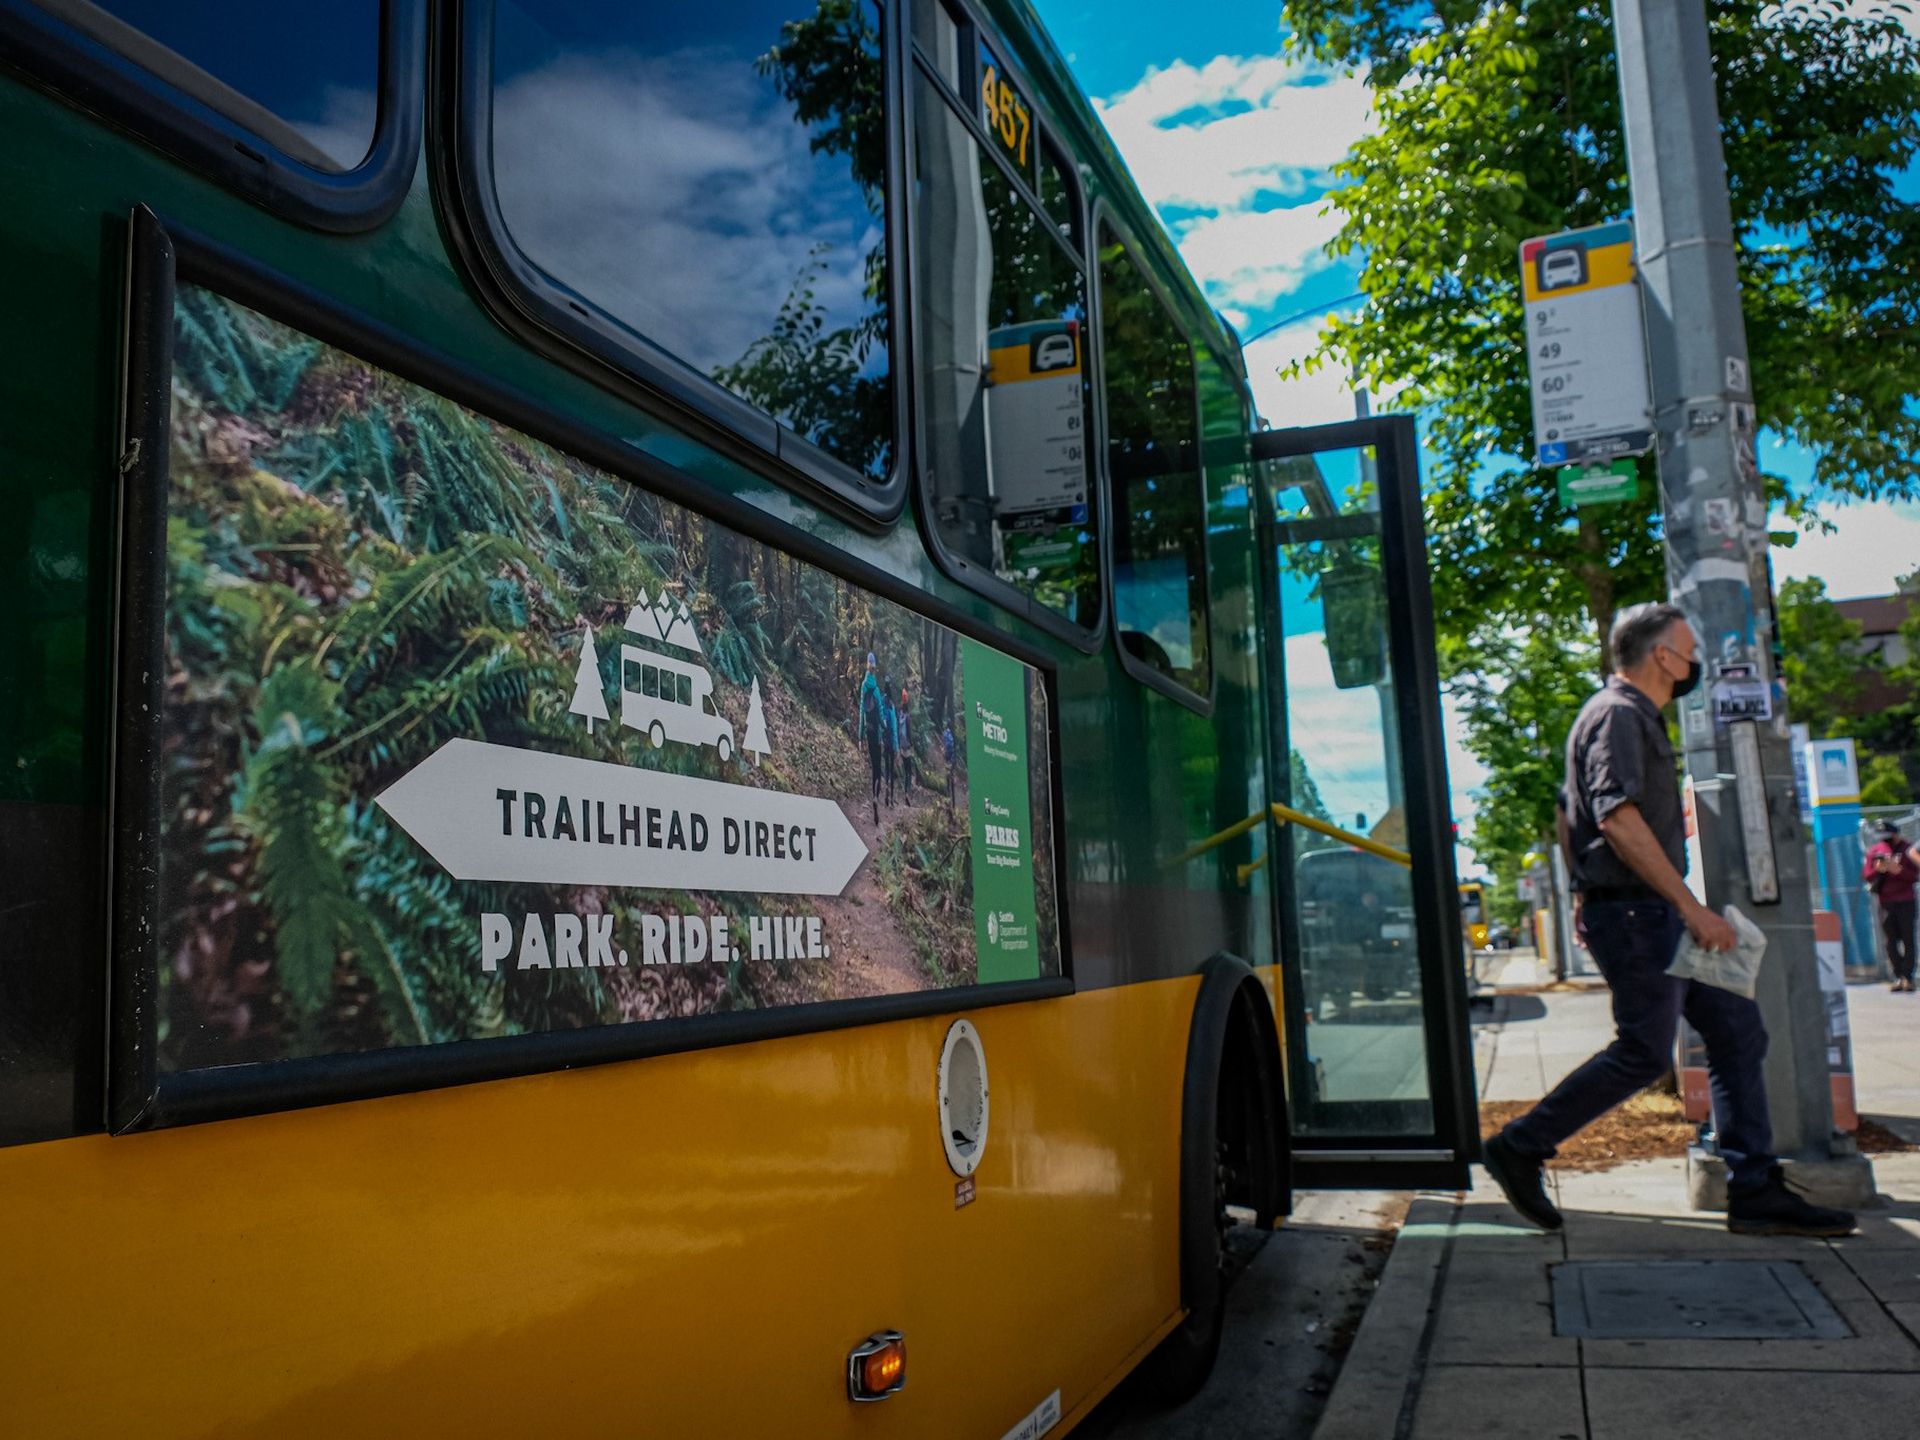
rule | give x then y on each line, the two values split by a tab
1716	531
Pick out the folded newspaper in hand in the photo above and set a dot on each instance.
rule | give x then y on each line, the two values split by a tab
1737	969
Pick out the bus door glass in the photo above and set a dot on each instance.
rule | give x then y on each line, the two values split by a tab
1378	1053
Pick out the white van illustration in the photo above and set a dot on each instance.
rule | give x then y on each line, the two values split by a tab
1055	352
665	695
1561	268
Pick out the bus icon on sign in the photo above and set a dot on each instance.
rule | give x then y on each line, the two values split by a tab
1562	269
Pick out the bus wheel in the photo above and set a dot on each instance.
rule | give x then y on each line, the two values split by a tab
1233	1151
656	734
726	749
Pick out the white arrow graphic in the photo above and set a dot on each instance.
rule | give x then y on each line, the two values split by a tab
497	812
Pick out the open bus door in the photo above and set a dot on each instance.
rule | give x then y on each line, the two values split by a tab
1379	1055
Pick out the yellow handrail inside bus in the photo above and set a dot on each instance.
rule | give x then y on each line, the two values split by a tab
1287	815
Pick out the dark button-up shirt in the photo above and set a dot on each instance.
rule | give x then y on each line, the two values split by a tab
1618	754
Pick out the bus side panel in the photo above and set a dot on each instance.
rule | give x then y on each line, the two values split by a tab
686	1244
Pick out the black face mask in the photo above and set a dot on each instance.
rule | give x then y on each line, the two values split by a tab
1686	686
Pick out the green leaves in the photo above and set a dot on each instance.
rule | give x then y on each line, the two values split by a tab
1821	660
1498	120
289	806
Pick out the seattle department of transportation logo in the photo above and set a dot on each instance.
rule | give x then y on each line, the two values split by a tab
993	927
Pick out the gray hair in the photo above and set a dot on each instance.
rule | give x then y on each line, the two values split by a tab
1638	628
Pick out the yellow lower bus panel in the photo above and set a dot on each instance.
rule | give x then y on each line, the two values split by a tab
689	1244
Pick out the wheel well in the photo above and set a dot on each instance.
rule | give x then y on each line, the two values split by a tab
1233	1128
1251	1108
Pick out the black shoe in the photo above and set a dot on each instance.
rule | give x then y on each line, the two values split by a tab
1521	1180
1770	1208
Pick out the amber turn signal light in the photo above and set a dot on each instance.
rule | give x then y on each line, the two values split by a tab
877	1367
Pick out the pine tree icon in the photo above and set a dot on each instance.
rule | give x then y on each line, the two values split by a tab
755	740
589	691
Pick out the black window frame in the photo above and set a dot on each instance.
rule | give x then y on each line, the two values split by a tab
571	331
920	68
185	124
161	256
1201	703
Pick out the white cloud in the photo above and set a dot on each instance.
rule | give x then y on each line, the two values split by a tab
343	131
1336	733
1320	398
1249	259
1219	145
1870	547
677	192
1218	136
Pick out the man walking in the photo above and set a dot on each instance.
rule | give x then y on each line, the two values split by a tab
1622	825
1891	869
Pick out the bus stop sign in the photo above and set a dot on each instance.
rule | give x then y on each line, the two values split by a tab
1586	347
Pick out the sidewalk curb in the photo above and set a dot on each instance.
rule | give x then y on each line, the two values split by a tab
1381	1378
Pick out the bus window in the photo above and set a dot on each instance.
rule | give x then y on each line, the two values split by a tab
1058	195
1003	313
686	689
1153	467
693	174
305	78
649	680
937	34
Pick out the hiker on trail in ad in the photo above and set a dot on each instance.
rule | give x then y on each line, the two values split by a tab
948	750
872	715
904	728
889	735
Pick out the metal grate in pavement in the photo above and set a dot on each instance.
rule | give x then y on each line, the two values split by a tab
1691	1300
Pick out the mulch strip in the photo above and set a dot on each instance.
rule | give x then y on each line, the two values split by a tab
1651	1126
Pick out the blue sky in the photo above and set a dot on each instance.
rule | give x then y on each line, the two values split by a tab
1232	144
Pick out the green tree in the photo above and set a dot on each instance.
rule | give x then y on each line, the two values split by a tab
1304	794
1820	658
1517	705
1883	781
1894	730
823	382
1498	120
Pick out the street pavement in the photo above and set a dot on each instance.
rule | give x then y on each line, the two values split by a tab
1290	1314
1468	1336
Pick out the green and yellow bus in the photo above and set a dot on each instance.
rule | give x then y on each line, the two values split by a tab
662	709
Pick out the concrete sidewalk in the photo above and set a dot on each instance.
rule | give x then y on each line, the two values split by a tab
1486	1328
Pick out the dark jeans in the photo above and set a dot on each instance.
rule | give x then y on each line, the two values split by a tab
1633	942
1896	924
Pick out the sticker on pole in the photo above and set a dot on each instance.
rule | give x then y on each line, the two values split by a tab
1586	346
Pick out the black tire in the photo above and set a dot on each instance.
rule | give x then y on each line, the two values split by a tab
1231	1105
1180	1364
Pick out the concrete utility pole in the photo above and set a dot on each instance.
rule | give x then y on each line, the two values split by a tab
1715	507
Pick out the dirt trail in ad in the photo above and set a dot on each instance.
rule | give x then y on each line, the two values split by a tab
872	952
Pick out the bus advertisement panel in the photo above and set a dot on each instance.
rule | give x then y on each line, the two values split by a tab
463	738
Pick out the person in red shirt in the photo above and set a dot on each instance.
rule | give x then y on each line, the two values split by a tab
1890	871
